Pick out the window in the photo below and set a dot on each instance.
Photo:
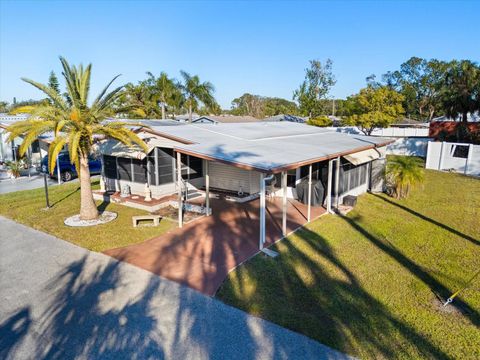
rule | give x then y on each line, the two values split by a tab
460	151
110	167
139	170
125	169
352	176
192	167
165	166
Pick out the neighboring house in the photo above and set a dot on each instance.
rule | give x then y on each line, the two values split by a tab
9	150
286	117
316	166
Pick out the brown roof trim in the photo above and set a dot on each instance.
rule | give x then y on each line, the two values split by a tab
282	168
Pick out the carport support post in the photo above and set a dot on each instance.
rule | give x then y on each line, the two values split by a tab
337	182
207	189
284	203
309	192
329	186
179	185
262	211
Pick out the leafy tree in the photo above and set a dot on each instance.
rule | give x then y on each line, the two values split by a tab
319	79
261	106
196	92
320	121
461	93
374	107
75	123
421	82
53	82
404	172
3	106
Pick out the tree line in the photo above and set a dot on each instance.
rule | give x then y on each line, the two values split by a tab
420	89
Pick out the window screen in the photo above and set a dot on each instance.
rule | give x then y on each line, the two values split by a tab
110	166
139	171
196	167
165	166
352	176
125	169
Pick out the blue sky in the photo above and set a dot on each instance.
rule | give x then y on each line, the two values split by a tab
257	47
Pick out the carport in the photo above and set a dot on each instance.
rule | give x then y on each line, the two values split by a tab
277	153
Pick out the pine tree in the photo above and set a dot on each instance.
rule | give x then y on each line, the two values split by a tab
53	82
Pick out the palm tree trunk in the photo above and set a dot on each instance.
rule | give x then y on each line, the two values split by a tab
190	112
88	209
163	110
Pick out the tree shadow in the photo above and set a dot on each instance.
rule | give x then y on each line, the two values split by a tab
77	324
13	330
65	197
335	309
434	222
438	289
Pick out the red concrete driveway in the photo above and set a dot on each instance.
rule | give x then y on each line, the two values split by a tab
202	253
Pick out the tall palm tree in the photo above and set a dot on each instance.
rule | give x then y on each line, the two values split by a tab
74	122
196	91
163	88
404	172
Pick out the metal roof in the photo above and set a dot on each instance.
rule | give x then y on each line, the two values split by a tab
267	146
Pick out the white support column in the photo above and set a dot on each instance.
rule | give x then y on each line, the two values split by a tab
59	174
329	186
207	188
179	189
284	203
309	193
337	182
262	211
157	175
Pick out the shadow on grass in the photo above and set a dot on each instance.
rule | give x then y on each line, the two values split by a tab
331	307
65	197
434	222
440	291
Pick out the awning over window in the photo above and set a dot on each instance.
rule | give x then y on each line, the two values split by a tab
362	157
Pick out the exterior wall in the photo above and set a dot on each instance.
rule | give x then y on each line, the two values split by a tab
230	178
440	156
409	146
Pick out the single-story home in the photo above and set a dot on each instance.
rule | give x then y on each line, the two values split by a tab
318	167
9	150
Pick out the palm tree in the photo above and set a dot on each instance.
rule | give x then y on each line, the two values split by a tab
404	172
163	88
195	92
74	122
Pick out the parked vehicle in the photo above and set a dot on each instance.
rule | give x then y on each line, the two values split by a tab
67	170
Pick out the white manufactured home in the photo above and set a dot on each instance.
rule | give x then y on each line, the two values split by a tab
245	161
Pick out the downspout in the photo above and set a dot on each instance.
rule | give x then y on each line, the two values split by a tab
263	184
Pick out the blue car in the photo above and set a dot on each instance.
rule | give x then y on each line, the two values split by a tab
67	170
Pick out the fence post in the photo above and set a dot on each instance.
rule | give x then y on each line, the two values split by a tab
442	154
469	158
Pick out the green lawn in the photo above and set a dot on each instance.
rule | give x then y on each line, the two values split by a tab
26	207
368	284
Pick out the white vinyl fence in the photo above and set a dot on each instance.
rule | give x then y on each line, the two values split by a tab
458	157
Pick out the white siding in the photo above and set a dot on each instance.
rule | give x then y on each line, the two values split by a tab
233	179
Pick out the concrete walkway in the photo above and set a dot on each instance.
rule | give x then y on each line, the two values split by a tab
202	253
59	301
